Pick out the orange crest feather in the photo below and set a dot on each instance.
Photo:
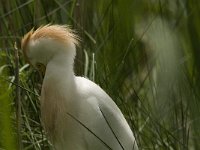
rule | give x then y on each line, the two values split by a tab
61	33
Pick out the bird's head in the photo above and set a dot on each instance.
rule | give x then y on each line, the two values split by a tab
42	45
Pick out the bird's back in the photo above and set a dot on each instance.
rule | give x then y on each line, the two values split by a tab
103	125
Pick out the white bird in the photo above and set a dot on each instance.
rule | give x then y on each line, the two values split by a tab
76	113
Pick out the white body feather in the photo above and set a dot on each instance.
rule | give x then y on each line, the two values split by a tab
84	100
76	113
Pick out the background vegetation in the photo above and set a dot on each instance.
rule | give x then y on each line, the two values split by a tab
144	53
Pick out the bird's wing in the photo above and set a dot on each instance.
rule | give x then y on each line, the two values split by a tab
105	125
100	114
118	125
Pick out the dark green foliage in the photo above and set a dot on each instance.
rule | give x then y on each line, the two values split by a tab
145	54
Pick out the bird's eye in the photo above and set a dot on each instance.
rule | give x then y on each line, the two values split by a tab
41	68
38	65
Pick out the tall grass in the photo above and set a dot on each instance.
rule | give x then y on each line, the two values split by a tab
7	124
145	54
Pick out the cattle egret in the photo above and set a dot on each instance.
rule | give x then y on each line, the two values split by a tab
76	113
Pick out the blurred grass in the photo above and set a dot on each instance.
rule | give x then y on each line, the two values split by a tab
145	54
7	135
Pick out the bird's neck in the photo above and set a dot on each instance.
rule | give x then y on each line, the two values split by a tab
60	68
60	76
58	91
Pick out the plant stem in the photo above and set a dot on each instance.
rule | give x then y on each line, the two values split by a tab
18	101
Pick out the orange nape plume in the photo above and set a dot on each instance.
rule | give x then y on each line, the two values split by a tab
61	33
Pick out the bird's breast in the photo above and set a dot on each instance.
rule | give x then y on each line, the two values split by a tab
53	108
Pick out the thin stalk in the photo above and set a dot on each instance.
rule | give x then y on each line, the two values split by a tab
111	129
73	117
21	87
18	101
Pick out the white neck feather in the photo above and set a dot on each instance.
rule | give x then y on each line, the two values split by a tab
60	74
58	90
